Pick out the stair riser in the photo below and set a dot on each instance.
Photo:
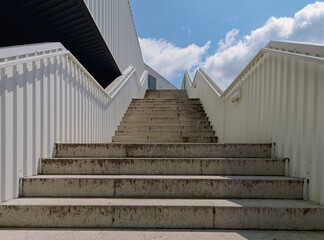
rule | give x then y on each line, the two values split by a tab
164	166
195	217
166	114
165	123
164	128
162	139
163	99
185	107
186	150
140	118
167	102
164	109
170	112
166	105
162	96
166	97
162	188
166	134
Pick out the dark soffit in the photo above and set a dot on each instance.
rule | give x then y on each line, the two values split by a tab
65	21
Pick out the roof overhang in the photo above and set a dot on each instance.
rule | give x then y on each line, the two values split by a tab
65	21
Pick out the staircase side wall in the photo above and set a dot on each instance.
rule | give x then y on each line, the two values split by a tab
278	100
48	99
115	22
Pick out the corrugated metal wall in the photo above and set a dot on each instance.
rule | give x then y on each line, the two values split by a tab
47	99
281	102
161	82
115	21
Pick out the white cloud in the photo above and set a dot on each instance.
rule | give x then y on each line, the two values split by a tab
169	60
234	53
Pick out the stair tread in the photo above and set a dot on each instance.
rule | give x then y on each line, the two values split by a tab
167	234
160	202
166	158
165	177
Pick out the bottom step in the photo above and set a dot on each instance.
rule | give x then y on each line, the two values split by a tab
166	234
162	213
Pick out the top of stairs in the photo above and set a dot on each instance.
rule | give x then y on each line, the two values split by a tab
161	108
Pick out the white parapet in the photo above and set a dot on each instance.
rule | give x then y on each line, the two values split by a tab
278	98
48	97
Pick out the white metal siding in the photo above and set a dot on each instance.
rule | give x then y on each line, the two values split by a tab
161	82
115	21
282	103
51	98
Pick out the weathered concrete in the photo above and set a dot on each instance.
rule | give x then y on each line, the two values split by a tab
157	234
171	112
148	186
165	107
164	166
163	128
183	133
164	100
157	123
162	213
162	139
183	114
177	150
134	118
166	94
184	185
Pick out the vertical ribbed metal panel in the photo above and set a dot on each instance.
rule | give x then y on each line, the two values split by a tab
115	22
286	110
52	100
282	103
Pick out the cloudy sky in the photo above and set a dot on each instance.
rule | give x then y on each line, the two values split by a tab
220	36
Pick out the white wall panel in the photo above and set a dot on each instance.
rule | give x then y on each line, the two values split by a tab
161	82
115	22
282	103
51	98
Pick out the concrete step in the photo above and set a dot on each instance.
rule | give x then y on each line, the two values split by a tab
166	133
166	234
166	114
162	213
171	186
172	100
162	139
166	93
166	108
167	96
141	118
164	104
164	150
164	111
164	166
177	122
164	128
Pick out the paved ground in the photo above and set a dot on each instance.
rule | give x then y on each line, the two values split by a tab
116	234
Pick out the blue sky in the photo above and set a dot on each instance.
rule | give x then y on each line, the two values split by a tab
203	33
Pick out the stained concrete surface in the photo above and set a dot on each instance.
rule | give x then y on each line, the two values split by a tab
125	234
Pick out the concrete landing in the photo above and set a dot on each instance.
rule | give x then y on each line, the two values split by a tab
116	234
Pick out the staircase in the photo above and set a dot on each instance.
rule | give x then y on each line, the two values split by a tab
163	170
165	116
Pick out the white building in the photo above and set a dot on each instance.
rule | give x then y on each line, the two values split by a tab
69	70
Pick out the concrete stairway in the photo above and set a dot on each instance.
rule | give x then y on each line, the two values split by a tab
165	116
163	185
